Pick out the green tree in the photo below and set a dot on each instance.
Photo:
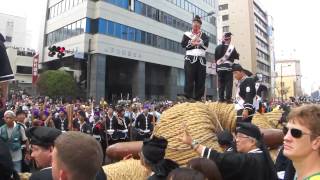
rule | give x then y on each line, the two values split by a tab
55	83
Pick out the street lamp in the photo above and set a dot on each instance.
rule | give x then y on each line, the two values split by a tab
281	83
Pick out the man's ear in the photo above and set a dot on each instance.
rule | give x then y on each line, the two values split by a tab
51	149
63	175
315	144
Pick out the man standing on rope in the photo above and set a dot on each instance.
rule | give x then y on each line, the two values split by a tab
226	55
196	43
6	73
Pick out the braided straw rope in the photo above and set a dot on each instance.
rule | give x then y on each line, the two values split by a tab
274	117
126	169
202	120
226	114
201	123
24	176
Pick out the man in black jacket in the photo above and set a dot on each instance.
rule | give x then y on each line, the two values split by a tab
42	140
196	43
225	56
61	122
245	95
144	124
252	162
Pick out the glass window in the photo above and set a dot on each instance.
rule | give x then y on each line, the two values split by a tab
73	29
149	38
225	17
83	25
69	31
143	37
138	7
169	22
125	4
165	18
62	34
225	28
102	26
155	14
131	33
111	28
193	9
144	9
78	26
124	32
223	7
63	6
118	30
137	35
149	11
159	39
53	11
174	22
50	11
154	40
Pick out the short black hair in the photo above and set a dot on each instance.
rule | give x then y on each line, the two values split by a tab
20	112
197	19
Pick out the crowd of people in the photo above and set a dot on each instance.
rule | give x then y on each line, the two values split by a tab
31	127
67	139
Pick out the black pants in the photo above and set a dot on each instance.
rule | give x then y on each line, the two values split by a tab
195	78
225	79
248	119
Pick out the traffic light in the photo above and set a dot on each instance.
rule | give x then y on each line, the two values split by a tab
61	52
52	51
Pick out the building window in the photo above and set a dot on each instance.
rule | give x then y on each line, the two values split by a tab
24	69
62	7
160	16
8	38
223	7
119	3
225	17
110	28
225	28
70	30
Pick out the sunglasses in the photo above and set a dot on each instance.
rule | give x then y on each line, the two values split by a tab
296	133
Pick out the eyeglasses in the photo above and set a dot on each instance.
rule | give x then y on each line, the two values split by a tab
296	133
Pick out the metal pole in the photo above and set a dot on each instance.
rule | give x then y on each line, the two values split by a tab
281	89
89	69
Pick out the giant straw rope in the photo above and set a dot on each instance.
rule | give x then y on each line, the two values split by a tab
203	122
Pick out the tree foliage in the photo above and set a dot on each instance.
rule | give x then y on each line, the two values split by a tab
55	83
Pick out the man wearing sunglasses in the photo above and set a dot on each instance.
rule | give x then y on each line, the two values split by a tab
251	162
302	141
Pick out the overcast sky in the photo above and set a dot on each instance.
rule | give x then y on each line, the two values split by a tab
296	26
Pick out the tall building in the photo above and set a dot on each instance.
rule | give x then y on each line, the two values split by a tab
13	29
288	81
252	31
126	47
